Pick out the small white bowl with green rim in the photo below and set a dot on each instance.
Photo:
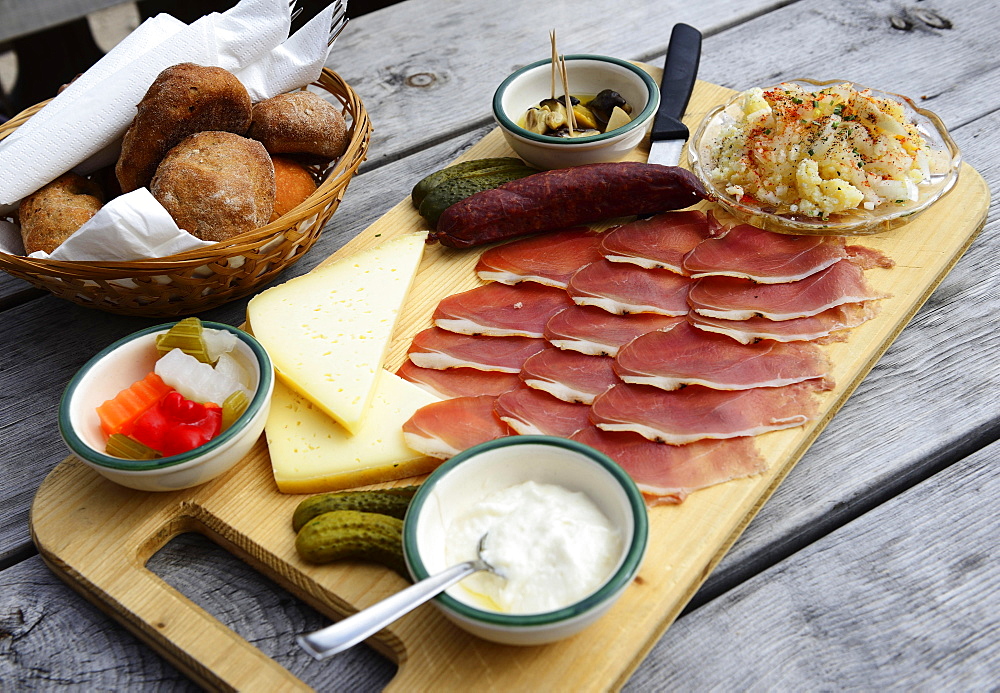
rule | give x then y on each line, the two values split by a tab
473	475
130	359
587	75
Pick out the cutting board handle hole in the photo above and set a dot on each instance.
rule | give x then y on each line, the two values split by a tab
242	600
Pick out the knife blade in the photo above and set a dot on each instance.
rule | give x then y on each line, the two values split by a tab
680	69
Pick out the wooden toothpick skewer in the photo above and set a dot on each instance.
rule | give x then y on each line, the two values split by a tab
555	59
570	116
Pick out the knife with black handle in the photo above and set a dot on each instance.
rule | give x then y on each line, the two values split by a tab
668	134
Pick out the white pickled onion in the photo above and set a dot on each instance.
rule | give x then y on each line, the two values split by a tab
195	380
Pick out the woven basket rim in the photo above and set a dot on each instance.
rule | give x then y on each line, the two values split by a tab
333	184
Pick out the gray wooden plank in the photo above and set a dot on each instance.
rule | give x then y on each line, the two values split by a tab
419	90
40	616
38	612
897	408
915	594
945	70
18	17
930	399
903	598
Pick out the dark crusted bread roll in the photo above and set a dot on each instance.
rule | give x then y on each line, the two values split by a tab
216	185
51	214
183	99
299	123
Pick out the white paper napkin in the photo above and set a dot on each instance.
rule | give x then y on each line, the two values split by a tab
295	63
90	118
134	226
150	33
10	238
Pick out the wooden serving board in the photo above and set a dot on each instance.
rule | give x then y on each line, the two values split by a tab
98	536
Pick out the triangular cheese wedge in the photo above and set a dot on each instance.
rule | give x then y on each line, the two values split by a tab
311	453
328	331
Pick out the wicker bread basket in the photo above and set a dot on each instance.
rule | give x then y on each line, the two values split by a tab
198	280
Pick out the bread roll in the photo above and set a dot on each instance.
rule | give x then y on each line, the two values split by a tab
51	214
293	184
216	185
299	123
183	99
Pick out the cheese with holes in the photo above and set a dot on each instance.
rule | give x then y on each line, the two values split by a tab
311	453
328	331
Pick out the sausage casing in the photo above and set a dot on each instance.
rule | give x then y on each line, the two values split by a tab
559	198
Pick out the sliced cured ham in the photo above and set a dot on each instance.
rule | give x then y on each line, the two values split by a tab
669	473
549	259
659	242
458	382
733	298
685	355
770	258
695	412
444	429
831	325
437	348
597	332
530	411
569	375
625	288
869	258
501	310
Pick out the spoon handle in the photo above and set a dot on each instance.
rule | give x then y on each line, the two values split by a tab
353	629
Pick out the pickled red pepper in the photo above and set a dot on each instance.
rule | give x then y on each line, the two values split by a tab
175	424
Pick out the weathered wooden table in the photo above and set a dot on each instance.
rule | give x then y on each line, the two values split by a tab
874	565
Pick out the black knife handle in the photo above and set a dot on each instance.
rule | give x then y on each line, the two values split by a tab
680	70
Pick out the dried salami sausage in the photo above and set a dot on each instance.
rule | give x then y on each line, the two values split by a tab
559	198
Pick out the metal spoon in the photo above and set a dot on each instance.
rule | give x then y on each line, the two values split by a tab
352	630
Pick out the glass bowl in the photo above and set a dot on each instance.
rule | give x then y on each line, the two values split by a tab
856	222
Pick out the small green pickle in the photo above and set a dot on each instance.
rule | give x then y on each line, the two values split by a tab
186	336
233	408
122	446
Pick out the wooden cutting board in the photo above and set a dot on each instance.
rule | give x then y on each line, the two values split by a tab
97	536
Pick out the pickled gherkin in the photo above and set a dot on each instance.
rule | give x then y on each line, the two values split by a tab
233	407
186	335
386	501
350	534
122	446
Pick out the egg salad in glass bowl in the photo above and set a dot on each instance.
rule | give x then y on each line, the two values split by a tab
833	157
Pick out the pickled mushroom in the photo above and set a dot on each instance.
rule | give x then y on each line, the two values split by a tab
560	102
534	120
546	116
550	117
604	103
586	132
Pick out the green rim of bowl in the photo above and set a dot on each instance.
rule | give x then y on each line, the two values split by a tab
644	115
621	578
84	451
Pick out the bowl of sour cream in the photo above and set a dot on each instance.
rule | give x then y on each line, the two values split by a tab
566	529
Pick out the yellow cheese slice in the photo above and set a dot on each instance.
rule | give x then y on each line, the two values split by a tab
311	453
328	331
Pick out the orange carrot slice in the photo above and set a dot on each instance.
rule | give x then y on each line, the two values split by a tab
118	414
